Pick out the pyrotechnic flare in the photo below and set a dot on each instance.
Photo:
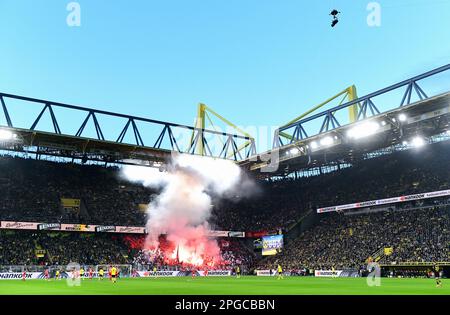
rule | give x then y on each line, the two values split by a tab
182	209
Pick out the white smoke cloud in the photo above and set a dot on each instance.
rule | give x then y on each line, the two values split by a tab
183	208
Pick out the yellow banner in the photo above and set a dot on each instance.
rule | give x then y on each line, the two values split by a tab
268	252
70	203
39	253
143	207
388	251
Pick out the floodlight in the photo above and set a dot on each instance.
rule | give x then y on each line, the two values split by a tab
363	130
294	151
418	142
314	145
402	117
326	141
6	135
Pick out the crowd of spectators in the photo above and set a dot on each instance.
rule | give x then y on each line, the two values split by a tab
341	240
84	248
19	248
32	189
15	250
62	248
272	208
282	203
232	252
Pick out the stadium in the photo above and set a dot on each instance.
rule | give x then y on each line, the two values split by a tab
351	198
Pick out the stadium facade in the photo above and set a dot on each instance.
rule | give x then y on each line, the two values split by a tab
372	190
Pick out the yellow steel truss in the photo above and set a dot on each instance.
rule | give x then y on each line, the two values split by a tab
349	94
203	113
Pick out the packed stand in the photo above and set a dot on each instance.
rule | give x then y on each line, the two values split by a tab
31	191
62	248
342	240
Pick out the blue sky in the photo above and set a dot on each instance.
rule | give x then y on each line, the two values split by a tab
257	62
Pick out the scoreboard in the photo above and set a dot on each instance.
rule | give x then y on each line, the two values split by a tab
272	244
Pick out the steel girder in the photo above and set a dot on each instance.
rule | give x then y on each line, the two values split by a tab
165	139
366	105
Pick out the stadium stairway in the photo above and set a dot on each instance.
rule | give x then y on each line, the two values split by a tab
377	256
306	222
84	211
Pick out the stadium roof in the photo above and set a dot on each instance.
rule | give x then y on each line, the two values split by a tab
346	144
336	143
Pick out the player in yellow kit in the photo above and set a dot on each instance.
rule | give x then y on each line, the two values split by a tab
437	277
101	273
57	275
114	274
81	273
280	272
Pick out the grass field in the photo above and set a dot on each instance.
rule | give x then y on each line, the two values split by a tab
250	285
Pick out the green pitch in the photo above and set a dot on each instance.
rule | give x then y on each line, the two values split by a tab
227	285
